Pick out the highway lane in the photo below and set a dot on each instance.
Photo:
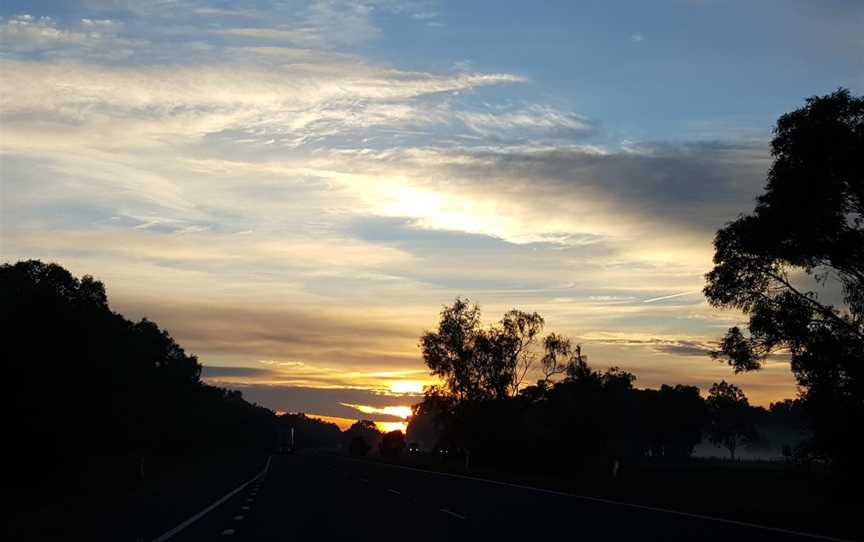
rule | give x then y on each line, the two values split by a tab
311	496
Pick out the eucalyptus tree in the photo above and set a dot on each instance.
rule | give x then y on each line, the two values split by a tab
795	267
477	363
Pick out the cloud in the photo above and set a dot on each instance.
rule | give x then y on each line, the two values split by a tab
161	106
27	33
661	202
317	376
535	118
316	344
684	348
698	184
304	37
335	402
343	23
399	412
674	346
91	38
217	373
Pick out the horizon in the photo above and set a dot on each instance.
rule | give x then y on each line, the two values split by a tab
294	191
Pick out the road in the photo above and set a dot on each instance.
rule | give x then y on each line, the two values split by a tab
312	496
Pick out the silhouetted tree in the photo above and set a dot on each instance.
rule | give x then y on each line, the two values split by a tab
512	340
358	446
392	444
575	421
477	363
450	352
683	414
730	419
781	427
129	387
431	419
805	234
365	430
308	432
672	420
559	354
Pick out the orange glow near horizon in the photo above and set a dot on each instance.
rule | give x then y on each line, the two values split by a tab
342	423
386	427
345	423
398	411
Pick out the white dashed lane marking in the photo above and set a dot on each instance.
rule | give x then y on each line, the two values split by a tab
393	491
228	532
255	479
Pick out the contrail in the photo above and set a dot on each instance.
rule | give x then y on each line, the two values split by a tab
653	299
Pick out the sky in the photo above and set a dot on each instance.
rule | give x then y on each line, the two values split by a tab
294	189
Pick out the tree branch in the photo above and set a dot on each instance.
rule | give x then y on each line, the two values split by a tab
825	311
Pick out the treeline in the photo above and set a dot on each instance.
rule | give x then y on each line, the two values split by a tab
83	382
298	431
364	436
574	420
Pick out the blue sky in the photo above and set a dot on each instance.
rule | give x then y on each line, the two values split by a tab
294	189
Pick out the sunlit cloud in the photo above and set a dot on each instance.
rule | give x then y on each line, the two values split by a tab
336	402
401	411
408	386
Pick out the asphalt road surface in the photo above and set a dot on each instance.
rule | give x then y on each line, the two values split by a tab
311	496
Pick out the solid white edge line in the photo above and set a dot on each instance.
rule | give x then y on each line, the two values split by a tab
168	534
607	501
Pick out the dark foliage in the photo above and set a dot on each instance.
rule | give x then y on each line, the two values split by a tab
361	437
308	432
580	422
392	444
731	420
804	244
358	446
672	420
90	383
430	418
475	362
783	424
574	420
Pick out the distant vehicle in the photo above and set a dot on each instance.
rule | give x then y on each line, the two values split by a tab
413	447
